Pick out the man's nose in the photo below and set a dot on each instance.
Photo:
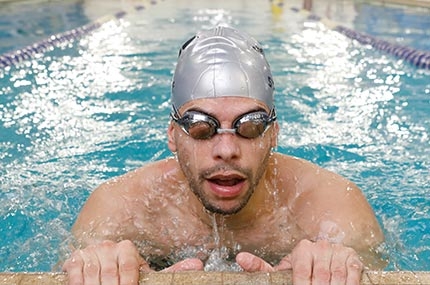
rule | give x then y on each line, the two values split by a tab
226	146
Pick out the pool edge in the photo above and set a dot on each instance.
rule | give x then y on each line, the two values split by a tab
213	278
416	3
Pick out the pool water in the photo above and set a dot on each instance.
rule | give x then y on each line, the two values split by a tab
23	23
96	107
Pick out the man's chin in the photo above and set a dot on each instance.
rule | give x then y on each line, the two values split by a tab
223	210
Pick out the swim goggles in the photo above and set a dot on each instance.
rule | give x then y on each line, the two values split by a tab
201	126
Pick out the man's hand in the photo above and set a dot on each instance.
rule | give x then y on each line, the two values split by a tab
111	263
318	262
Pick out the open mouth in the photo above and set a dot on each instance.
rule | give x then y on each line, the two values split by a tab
226	181
227	186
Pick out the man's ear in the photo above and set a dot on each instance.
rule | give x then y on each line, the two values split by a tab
171	142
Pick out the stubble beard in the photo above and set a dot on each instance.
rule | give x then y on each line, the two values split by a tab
196	183
196	186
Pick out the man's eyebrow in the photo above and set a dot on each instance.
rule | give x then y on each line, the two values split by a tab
197	109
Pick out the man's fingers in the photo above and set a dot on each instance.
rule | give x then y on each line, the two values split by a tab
302	268
107	263
109	274
185	265
355	269
129	263
285	264
91	268
338	267
252	263
322	258
322	262
73	266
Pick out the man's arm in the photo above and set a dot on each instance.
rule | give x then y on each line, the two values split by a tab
104	231
333	208
104	216
341	228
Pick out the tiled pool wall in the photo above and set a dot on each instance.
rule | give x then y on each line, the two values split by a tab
219	278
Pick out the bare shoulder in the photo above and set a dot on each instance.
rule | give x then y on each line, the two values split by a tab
327	205
140	180
117	207
309	177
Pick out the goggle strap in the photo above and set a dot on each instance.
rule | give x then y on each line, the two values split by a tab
174	114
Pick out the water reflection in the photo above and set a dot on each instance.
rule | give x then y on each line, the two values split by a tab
360	113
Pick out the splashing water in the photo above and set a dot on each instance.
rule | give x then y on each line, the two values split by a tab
219	259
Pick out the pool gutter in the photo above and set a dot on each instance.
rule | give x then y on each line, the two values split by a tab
221	278
417	3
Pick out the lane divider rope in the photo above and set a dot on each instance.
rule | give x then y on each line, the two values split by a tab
418	58
18	56
415	57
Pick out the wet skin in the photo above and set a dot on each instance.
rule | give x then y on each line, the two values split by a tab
274	212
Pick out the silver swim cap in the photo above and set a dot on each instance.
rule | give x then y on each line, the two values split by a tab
222	62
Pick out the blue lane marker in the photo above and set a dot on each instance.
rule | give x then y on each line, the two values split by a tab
418	58
26	53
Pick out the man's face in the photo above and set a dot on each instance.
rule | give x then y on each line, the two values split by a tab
224	170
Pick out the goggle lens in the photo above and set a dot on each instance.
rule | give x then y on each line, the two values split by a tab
202	126
201	130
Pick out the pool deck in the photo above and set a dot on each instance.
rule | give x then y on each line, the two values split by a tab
220	278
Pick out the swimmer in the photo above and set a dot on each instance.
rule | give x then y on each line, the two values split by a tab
225	186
